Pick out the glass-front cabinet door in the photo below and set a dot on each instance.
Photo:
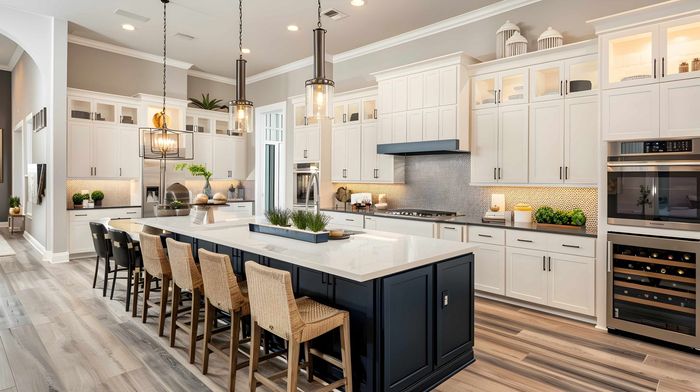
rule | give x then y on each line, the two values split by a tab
369	109
581	76
547	81
513	87
79	109
339	113
484	91
630	57
128	115
680	48
105	112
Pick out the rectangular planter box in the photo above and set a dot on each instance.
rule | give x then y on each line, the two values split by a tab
285	232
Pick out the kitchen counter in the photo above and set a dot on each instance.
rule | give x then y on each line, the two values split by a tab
410	299
72	208
362	257
477	221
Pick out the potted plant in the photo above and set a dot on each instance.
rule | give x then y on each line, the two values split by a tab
14	205
207	103
97	197
198	170
78	199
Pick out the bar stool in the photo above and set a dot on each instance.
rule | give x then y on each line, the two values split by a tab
274	309
186	276
127	255
156	266
222	291
103	249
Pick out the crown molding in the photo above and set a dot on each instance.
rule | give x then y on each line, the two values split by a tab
212	77
74	39
15	57
435	28
283	69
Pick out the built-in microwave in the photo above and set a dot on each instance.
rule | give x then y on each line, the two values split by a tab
654	183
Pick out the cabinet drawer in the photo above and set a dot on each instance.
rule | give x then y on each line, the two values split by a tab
487	235
342	219
572	245
128	213
526	239
451	232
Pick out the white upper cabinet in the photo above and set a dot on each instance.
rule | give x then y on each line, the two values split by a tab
679	42
513	149
203	144
547	142
485	147
581	76
229	157
347	112
547	82
503	88
629	57
630	113
79	150
427	101
581	140
680	101
346	153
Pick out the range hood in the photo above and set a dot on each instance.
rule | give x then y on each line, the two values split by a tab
432	147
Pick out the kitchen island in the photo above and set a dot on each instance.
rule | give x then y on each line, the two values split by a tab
410	298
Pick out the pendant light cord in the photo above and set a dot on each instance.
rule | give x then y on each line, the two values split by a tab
165	38
319	14
240	28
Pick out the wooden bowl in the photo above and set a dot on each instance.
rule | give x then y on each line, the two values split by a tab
336	232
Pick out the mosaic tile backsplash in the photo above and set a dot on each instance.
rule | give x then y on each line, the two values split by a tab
441	182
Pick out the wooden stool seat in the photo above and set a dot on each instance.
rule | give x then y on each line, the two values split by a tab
274	309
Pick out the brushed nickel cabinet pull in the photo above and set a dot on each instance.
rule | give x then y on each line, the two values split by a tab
610	252
449	228
549	263
522	240
571	246
544	263
485	235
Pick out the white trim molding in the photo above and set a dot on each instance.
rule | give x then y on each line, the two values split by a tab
212	77
10	66
91	43
51	257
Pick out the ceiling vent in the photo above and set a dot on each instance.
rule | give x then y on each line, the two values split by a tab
184	36
131	15
334	14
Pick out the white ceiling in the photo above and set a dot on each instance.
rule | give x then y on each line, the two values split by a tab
7	50
214	23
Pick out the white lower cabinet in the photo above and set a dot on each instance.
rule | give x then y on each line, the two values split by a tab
401	226
234	210
490	269
80	237
526	275
343	220
452	232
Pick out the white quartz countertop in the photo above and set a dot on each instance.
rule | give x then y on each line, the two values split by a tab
362	257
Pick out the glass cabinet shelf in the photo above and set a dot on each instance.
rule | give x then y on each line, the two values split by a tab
631	58
682	49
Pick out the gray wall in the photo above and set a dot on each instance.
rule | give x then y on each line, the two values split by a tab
28	97
6	126
198	86
107	72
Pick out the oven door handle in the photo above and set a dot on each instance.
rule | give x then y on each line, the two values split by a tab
654	166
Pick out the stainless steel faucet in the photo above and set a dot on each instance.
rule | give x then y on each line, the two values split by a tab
313	183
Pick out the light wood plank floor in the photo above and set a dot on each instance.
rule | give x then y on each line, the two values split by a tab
59	334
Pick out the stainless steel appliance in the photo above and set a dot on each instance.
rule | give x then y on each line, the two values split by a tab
419	213
304	191
151	186
654	183
652	287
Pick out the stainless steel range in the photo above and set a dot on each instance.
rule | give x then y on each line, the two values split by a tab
420	213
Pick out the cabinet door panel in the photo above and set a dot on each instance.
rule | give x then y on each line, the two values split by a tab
451	232
571	283
414	125
630	113
386	96
408	328
300	136
80	237
484	151
314	284
628	57
223	156
339	153
385	130
398	127
431	89
513	144
680	101
354	152
405	226
129	160
448	122
490	269
547	142
369	152
105	151
386	168
448	86
526	275
313	143
240	159
415	92
431	124
79	149
454	309
581	140
400	92
203	150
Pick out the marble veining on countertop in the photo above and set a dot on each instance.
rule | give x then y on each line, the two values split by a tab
477	221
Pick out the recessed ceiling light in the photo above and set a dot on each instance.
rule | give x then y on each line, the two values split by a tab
245	50
293	28
128	27
357	3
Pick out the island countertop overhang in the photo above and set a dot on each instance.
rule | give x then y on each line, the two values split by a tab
363	257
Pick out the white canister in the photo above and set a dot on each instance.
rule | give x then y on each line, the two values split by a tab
522	216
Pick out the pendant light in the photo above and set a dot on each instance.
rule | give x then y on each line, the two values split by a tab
240	110
161	142
319	90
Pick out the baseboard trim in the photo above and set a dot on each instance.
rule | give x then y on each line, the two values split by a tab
540	308
51	257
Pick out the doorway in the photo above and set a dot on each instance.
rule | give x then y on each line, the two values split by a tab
270	157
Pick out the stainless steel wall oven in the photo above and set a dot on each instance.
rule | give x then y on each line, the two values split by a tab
654	183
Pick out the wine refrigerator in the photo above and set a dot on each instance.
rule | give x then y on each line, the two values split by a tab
653	286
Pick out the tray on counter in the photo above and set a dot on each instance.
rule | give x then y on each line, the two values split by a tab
289	232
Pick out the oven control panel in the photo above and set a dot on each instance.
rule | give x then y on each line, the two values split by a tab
659	146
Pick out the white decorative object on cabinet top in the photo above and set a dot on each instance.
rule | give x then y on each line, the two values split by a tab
516	45
550	39
502	35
